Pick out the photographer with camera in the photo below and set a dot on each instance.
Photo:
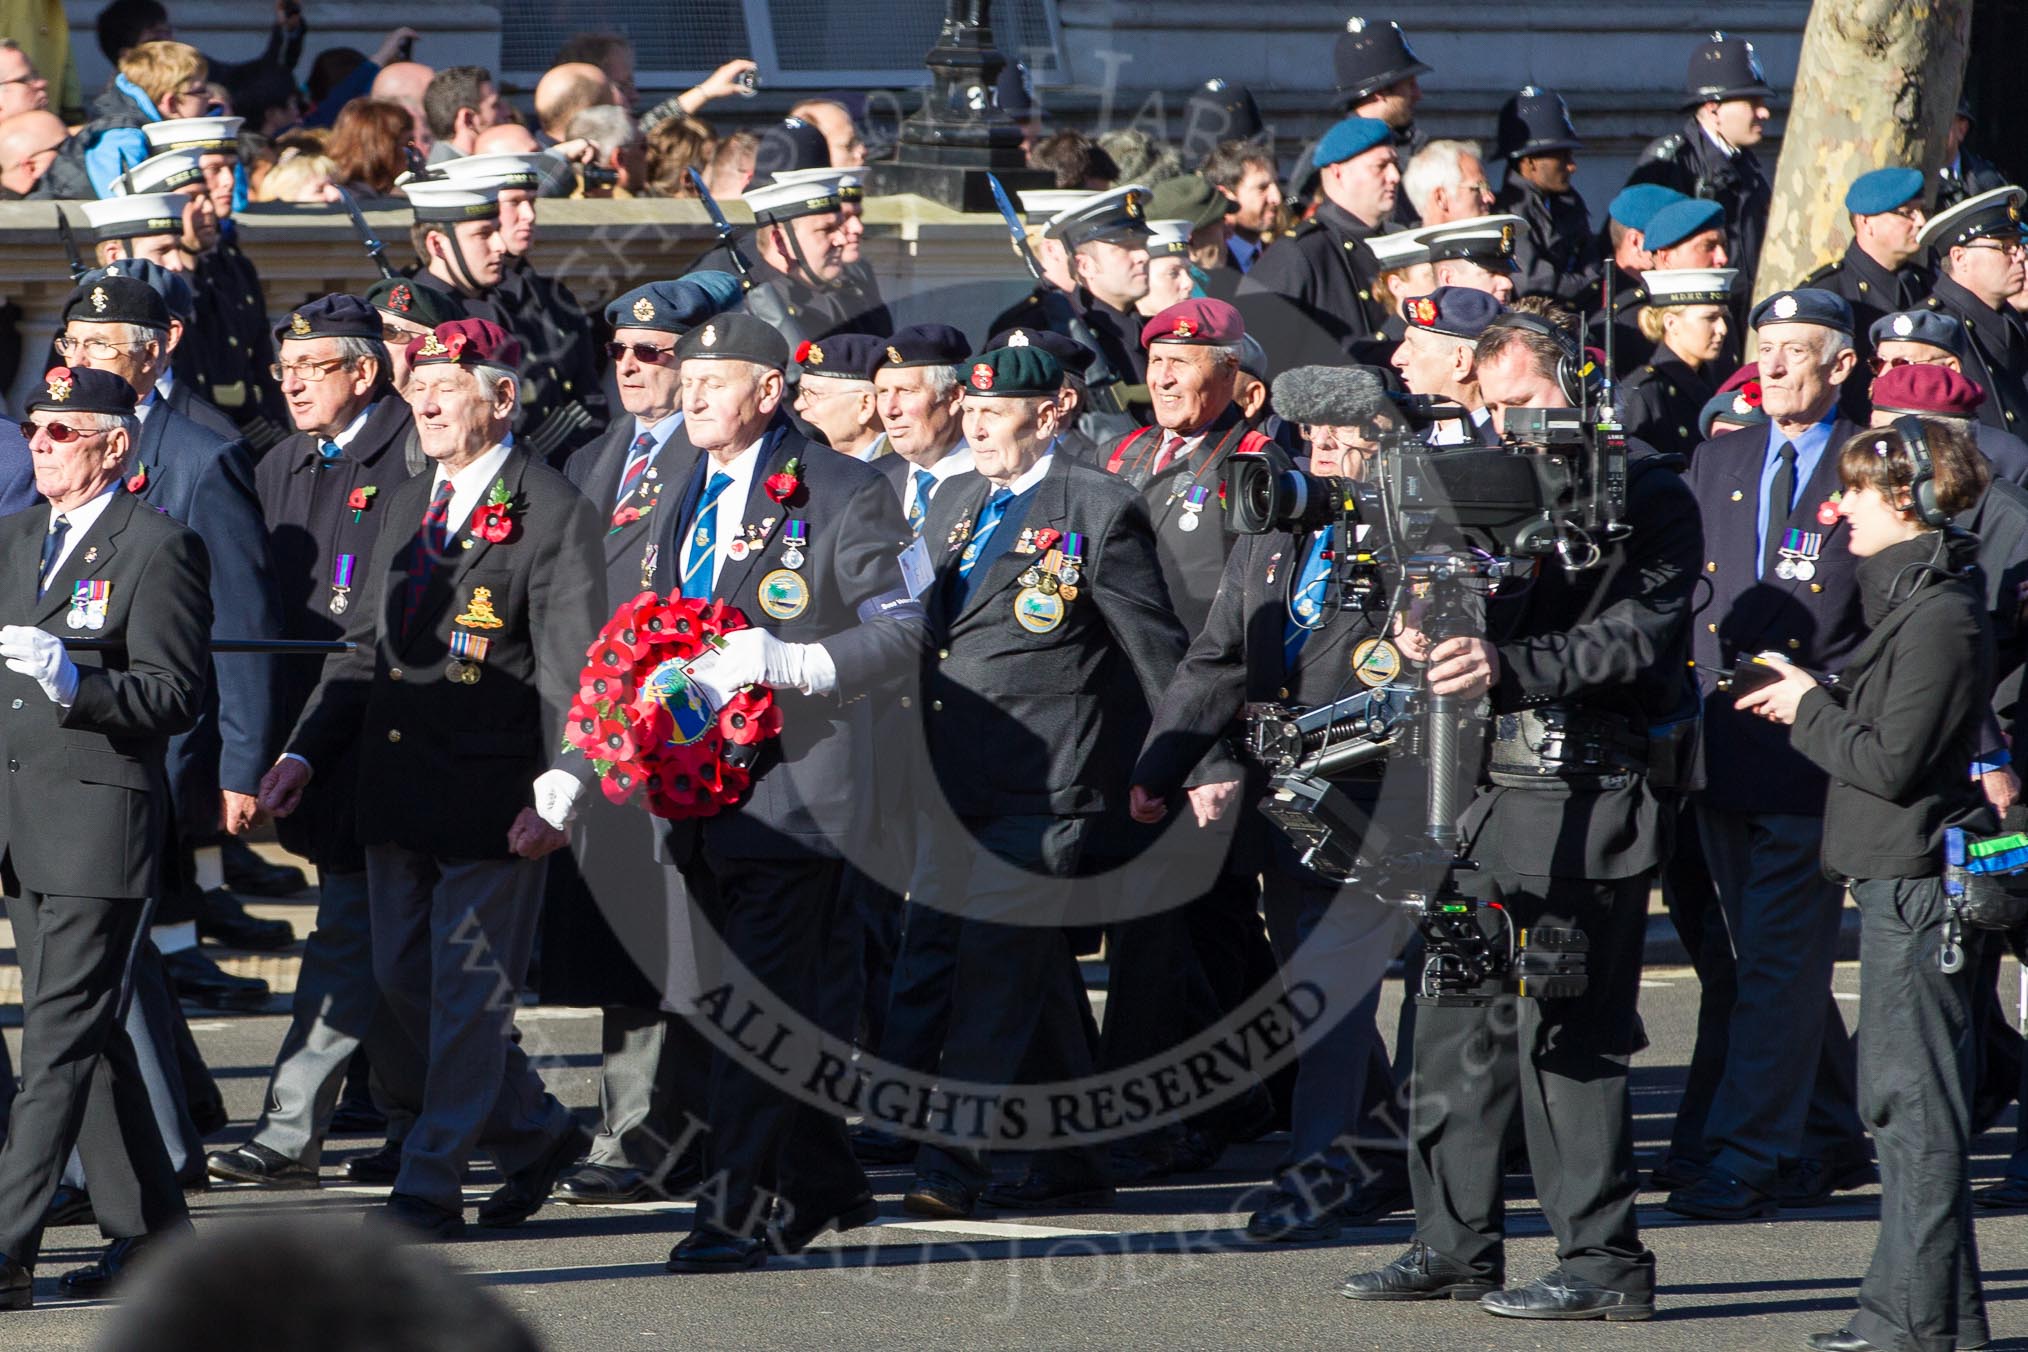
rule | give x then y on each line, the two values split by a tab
1276	632
1896	735
1568	828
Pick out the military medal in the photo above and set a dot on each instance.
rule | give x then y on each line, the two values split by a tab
1037	611
88	604
341	582
795	535
783	594
1193	508
471	650
648	557
1799	551
1029	577
959	534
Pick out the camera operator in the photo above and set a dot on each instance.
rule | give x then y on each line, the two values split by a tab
1571	842
1276	632
1896	736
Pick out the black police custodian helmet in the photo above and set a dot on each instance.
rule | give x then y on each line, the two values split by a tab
1724	67
1217	111
1535	122
1371	55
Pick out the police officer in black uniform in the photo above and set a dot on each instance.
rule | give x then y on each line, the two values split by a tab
1711	154
1978	244
1572	843
1881	271
1660	403
1964	173
1311	299
1378	76
1558	256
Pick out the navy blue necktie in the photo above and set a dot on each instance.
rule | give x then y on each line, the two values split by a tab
52	545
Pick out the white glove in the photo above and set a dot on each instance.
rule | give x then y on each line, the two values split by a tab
757	657
556	798
39	654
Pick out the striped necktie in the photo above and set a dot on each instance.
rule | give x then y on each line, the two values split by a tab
630	477
925	484
703	546
52	545
982	533
425	552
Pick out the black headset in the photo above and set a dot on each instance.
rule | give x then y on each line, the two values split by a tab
1921	488
1573	371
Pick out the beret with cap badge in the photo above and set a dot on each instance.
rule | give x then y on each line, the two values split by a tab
1014	373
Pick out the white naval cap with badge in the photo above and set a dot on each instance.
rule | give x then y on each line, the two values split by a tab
1689	286
135	216
207	135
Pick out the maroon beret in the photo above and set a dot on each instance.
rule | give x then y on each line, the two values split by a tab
1201	319
1927	389
466	340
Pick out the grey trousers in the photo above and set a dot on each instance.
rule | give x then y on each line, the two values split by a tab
1917	1042
451	941
653	1079
337	1006
1795	1095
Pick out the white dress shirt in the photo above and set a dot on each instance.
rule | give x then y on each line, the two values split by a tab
730	523
958	461
470	485
81	518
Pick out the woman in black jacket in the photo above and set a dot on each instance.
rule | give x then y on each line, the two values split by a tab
1897	734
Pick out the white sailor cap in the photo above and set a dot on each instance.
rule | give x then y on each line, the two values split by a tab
1486	240
1402	249
494	172
1168	237
1997	212
1041	206
213	134
1689	286
135	216
787	196
446	201
167	172
847	183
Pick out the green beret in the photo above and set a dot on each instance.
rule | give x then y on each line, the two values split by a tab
1014	373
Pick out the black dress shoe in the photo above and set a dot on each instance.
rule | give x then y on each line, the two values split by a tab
1142	1160
1840	1340
874	1145
1044	1192
1809	1183
2007	1194
69	1206
1419	1274
523	1194
357	1117
264	1168
716	1251
939	1196
420	1218
112	1267
807	1222
17	1285
1674	1172
1557	1295
1718	1196
203	982
378	1169
602	1185
222	918
1374	1201
246	871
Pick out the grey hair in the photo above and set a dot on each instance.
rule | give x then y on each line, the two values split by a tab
137	333
486	373
1437	165
942	380
606	126
1831	343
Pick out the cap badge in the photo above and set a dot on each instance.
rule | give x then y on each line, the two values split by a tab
644	309
1785	307
298	325
1903	326
59	383
2013	212
894	355
1506	239
710	336
1185	329
982	376
1355	24
99	299
1017	339
1134	205
400	299
432	346
816	355
1422	310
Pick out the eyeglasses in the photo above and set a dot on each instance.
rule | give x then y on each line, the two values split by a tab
1998	246
645	353
62	433
312	372
98	349
1880	364
30	78
1911	212
390	334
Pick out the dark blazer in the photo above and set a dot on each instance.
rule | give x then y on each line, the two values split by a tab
1014	719
1749	765
228	349
183	397
1873	293
897	470
207	483
85	798
595	470
1996	356
1193	560
1311	298
813	783
303	498
445	767
1662	400
17	471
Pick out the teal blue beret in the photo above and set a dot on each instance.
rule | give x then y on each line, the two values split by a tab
1637	204
1680	220
1015	373
1883	190
1353	136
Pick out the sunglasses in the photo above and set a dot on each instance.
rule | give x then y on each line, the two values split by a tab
645	353
61	433
1880	364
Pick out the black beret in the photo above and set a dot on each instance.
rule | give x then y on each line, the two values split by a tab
173	287
80	389
415	302
1073	356
842	356
1014	373
334	316
735	337
117	300
926	345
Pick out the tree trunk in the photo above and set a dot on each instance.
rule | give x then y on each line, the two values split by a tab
1876	86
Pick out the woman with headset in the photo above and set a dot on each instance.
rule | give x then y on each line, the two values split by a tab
1897	734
